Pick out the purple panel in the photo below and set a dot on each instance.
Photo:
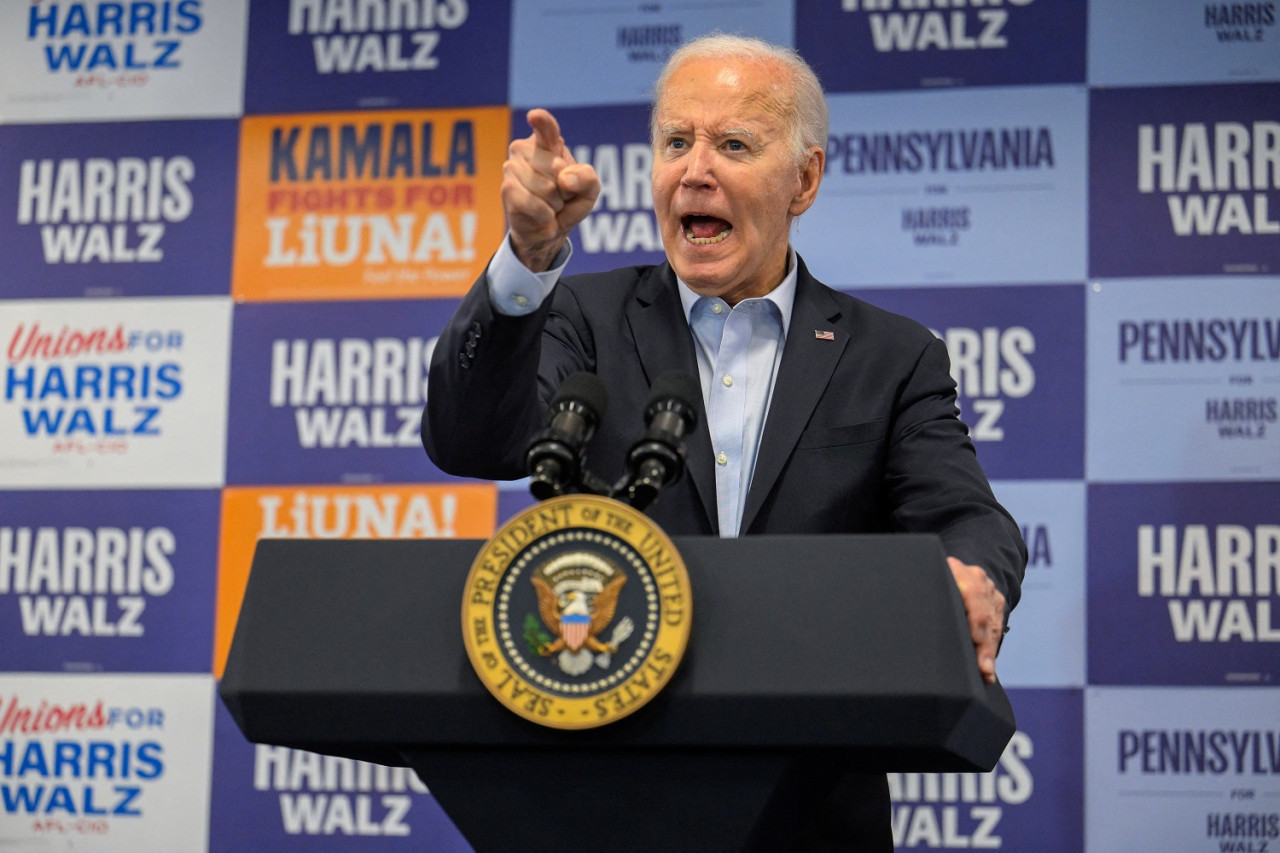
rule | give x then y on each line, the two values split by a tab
1031	801
1184	181
860	45
117	209
1182	584
1017	354
114	581
511	502
289	801
348	380
314	57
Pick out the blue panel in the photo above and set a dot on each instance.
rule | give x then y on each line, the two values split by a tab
1182	769
291	801
1030	801
1019	370
974	186
1183	379
578	52
1182	41
1045	644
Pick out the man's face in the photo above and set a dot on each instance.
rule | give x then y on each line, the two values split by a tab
725	183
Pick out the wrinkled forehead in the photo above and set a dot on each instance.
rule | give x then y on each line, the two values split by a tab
731	90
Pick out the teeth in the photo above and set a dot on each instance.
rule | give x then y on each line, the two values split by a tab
705	241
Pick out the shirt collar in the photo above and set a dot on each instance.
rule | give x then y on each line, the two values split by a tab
783	296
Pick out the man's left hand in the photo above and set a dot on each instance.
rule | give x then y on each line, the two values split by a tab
984	606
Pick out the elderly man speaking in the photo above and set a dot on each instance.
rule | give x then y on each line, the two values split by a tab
820	413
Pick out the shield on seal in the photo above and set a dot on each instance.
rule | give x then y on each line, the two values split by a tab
574	628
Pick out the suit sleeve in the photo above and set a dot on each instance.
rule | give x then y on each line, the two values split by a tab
491	378
935	483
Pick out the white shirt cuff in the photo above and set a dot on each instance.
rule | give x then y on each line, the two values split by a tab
514	289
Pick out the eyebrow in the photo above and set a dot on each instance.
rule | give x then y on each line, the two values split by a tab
742	132
726	133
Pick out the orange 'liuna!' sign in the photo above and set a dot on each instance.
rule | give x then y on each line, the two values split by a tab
376	205
429	511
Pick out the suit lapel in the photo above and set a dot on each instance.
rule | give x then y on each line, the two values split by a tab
806	368
664	343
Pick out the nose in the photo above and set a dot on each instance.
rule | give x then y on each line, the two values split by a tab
699	166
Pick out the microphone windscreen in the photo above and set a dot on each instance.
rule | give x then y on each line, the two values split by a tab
583	388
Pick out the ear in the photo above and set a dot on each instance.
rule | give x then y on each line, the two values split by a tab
810	178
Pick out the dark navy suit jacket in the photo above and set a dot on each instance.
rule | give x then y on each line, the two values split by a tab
862	434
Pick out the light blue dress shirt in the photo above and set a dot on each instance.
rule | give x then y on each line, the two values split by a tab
738	350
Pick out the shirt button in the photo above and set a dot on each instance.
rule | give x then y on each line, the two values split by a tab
522	300
723	458
717	308
728	381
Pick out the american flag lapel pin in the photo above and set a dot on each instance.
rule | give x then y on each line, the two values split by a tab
824	335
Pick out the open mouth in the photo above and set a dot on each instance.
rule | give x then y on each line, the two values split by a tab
702	230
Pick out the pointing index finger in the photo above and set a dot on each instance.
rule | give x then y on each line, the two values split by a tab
546	131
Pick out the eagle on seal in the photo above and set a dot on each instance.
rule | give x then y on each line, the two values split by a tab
577	599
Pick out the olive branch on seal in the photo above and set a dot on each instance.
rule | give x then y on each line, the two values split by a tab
534	636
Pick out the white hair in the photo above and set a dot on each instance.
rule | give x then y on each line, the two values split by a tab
803	106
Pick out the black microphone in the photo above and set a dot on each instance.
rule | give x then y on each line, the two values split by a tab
657	460
554	459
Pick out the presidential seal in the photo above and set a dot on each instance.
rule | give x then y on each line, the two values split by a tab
577	612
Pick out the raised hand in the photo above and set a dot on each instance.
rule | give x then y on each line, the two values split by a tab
545	192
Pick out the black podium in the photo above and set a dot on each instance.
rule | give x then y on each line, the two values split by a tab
848	649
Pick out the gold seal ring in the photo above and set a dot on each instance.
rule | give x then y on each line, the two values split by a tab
577	612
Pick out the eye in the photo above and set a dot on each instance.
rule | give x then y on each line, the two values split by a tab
735	145
676	143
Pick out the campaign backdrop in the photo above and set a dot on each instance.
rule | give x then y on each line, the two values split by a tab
290	800
234	230
104	61
114	392
1033	791
116	763
1201	357
964	186
1171	771
1184	180
108	581
118	209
